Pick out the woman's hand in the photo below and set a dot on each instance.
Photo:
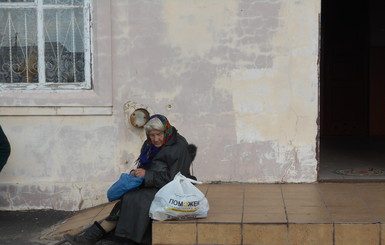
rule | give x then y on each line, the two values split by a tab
139	172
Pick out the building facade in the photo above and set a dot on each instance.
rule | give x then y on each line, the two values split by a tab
238	78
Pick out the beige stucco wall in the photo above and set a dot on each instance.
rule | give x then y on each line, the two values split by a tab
238	78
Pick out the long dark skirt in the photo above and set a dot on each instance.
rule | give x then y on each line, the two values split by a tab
132	215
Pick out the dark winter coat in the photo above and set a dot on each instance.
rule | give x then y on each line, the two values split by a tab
134	222
5	149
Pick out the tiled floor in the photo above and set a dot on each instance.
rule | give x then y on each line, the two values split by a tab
272	214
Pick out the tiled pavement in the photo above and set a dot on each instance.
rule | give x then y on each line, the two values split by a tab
271	214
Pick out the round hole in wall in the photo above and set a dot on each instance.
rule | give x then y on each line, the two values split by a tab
139	117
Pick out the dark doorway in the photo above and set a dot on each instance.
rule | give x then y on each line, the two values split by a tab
352	89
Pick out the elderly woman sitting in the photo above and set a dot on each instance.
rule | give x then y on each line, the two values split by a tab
162	156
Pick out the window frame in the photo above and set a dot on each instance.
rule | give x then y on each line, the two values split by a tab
87	41
96	101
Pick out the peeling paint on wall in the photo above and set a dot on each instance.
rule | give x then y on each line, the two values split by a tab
61	196
195	27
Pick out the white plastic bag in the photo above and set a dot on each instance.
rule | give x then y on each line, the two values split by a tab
179	199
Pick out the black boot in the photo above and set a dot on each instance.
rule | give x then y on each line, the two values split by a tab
90	236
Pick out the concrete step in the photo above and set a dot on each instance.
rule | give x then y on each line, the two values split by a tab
271	214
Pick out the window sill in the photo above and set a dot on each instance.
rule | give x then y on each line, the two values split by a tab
56	111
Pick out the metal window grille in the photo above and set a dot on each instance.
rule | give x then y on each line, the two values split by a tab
45	44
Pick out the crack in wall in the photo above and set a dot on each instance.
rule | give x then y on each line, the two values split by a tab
79	188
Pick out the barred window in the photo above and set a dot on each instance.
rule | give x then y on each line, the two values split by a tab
45	44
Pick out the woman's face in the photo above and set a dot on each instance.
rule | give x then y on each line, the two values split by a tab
156	137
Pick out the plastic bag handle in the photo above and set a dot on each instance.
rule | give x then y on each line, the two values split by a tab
182	177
